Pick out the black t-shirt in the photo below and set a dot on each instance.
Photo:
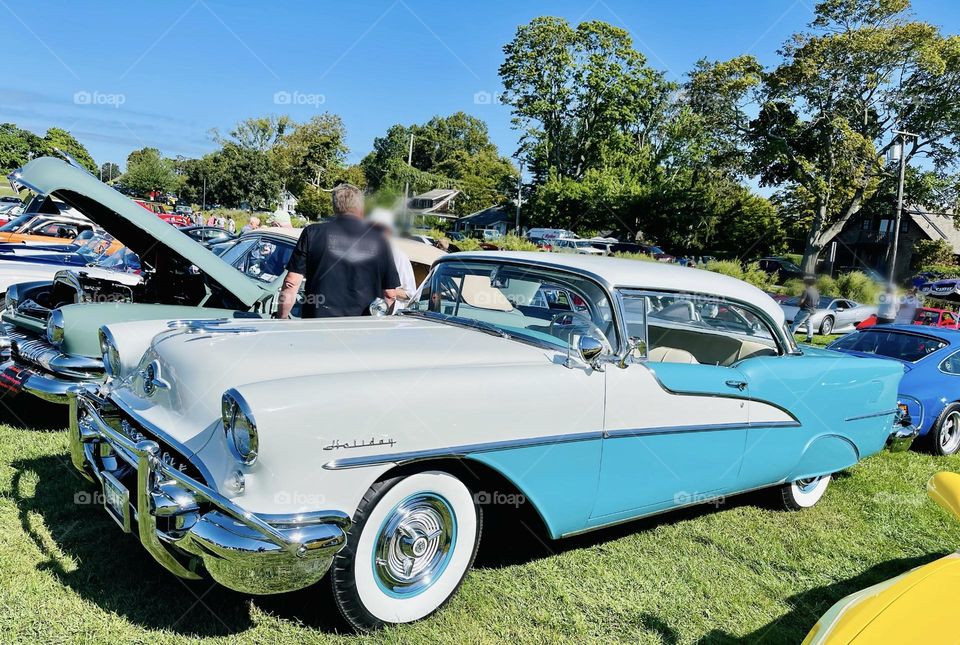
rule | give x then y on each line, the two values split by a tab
347	264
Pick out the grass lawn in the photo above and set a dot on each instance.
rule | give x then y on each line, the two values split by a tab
737	573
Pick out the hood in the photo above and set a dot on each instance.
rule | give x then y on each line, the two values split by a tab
137	228
202	362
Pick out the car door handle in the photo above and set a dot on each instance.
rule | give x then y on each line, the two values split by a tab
740	385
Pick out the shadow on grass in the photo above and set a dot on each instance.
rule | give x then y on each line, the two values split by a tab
28	412
807	607
90	554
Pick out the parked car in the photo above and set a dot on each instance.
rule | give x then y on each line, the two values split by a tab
175	218
781	269
208	235
42	228
51	327
240	448
88	253
658	254
930	389
833	315
904	609
580	247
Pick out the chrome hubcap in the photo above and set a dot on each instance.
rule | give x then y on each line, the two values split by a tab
950	433
808	484
414	545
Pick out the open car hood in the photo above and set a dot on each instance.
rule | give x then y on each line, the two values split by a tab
137	228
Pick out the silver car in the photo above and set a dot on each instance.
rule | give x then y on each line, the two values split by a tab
833	315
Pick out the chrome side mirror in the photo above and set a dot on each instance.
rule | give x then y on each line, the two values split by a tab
590	349
379	308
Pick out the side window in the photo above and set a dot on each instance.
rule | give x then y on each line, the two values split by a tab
692	329
268	260
951	364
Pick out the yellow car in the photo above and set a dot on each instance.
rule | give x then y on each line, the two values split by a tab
916	607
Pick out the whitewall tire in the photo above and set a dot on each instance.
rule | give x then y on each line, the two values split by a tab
804	493
412	541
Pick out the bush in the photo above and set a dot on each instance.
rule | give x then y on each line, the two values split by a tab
513	242
643	257
942	270
750	273
858	286
936	252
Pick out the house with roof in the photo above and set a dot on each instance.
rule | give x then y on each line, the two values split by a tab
866	240
438	202
500	218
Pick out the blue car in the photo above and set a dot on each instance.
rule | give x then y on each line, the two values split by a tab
930	388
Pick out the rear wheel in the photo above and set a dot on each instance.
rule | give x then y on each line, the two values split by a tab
803	493
412	541
945	435
826	327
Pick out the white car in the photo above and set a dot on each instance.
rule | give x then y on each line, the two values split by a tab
581	247
267	453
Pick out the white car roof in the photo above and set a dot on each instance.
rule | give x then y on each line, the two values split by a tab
637	274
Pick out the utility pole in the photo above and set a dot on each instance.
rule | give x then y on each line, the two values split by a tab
891	268
519	197
204	206
406	188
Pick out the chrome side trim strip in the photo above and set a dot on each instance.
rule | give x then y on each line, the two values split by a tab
706	427
871	416
461	451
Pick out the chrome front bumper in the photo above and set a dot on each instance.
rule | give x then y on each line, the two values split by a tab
188	526
32	365
15	379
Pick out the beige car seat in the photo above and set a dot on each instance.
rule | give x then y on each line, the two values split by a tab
671	355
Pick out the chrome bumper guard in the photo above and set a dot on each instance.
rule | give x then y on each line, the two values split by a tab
48	387
904	432
183	523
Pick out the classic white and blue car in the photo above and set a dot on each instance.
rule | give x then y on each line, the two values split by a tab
269	454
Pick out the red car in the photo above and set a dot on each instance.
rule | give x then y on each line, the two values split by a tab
170	218
925	316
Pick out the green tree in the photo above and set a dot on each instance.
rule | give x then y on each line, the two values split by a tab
109	171
148	171
311	153
17	146
59	139
828	112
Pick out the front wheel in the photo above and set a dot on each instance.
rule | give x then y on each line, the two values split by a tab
411	543
826	327
803	493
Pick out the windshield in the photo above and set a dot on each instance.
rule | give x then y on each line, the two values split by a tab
532	304
14	225
892	344
94	248
122	260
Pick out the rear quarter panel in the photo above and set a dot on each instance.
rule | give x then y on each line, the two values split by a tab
845	407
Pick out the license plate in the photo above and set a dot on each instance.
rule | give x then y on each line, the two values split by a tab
116	501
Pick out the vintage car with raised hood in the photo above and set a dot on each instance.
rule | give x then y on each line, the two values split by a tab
268	453
50	327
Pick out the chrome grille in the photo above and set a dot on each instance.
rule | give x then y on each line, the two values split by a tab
30	350
33	350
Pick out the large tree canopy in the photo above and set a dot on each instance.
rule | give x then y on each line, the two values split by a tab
829	112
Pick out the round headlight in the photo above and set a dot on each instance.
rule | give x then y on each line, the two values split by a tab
111	357
239	427
55	327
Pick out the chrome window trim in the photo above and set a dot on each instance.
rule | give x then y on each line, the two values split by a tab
872	415
774	331
606	286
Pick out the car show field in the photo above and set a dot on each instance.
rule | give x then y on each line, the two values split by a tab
737	572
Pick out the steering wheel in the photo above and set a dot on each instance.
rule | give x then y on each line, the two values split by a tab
568	323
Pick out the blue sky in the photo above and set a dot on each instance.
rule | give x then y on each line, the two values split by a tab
122	75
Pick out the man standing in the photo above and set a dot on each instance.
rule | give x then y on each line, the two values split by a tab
346	262
808	306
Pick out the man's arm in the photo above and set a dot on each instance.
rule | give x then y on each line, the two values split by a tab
288	294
